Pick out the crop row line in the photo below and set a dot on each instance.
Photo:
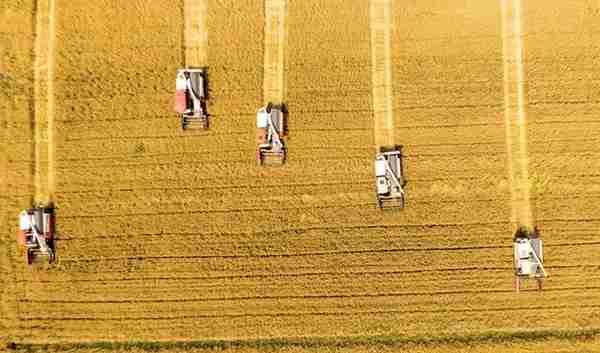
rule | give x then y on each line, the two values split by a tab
233	210
288	255
346	227
220	187
246	235
279	275
465	311
301	297
579	267
308	254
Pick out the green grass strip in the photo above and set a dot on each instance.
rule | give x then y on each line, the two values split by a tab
318	342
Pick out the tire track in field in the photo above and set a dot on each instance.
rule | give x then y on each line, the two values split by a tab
381	71
175	278
514	113
220	211
195	33
332	253
227	187
465	310
359	295
350	227
274	85
323	228
44	63
259	276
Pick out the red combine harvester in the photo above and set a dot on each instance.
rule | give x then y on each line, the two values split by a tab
36	233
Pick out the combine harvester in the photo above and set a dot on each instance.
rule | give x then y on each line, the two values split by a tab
36	233
528	257
389	177
190	98
270	124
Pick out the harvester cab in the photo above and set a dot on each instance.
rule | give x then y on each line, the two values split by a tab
190	98
528	257
270	126
36	233
389	177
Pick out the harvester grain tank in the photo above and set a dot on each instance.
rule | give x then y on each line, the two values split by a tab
389	177
270	125
36	233
528	257
190	98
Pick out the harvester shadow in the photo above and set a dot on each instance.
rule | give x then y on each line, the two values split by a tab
285	129
207	92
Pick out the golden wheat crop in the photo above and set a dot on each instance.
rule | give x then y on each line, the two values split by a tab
167	235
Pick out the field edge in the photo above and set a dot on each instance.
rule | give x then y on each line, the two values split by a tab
396	341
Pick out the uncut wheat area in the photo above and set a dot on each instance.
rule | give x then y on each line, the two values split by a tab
165	235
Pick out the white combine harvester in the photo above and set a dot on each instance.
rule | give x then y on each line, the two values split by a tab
36	233
389	177
190	98
270	124
528	257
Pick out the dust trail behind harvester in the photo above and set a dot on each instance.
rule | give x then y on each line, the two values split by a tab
514	113
43	125
275	42
195	33
381	27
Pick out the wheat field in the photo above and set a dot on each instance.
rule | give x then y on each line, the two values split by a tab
167	235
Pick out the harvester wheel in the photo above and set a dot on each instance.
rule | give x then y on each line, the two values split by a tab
517	283
540	283
29	257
